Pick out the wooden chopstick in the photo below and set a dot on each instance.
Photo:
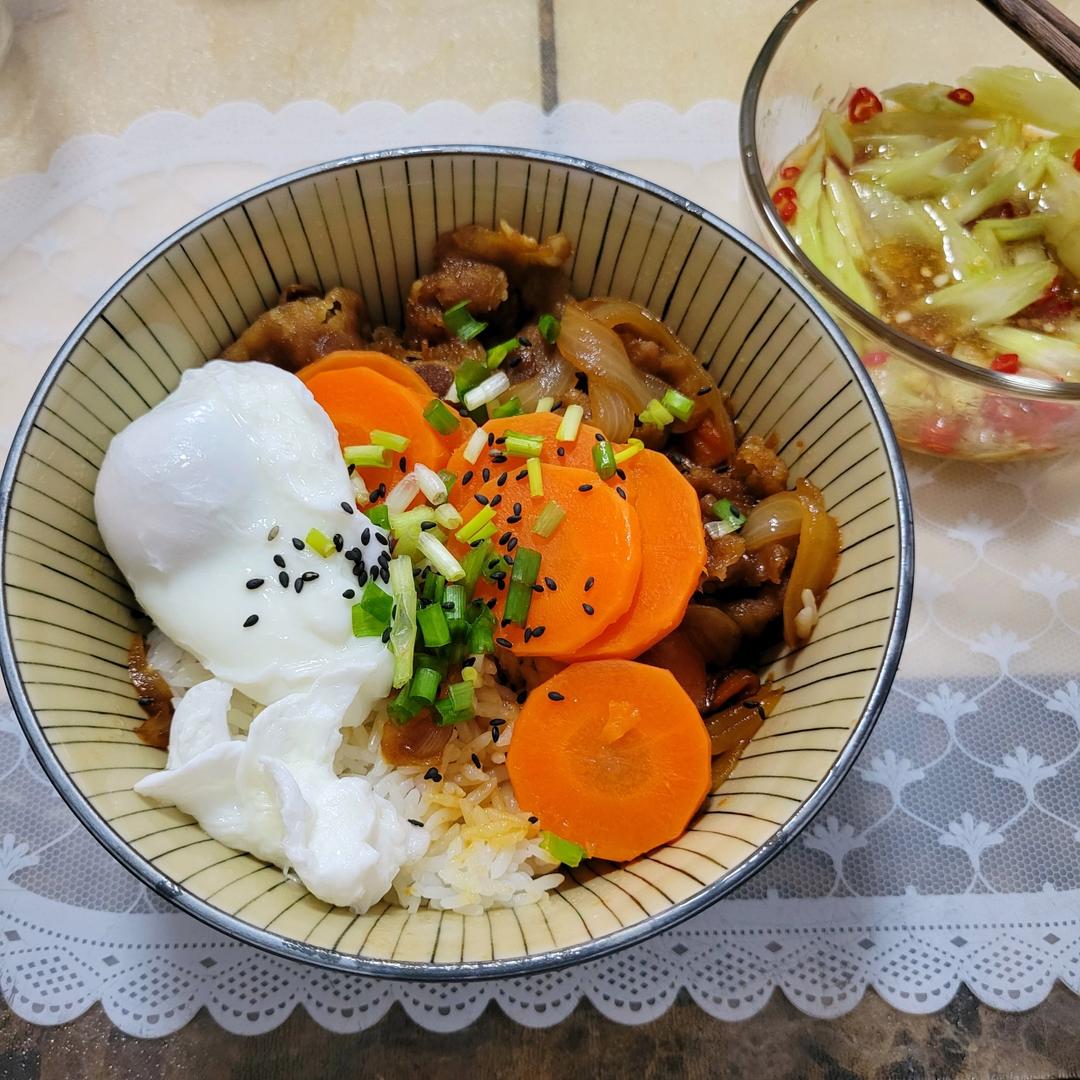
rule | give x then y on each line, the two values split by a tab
1048	30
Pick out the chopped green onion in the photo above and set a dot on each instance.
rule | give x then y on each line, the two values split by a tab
440	558
654	413
407	527
632	449
467	533
433	625
441	418
404	708
475	446
520	445
481	636
376	603
390	440
320	542
448	478
491	388
490	529
379	516
507	408
570	423
366	457
403	626
498	353
470	373
545	404
564	851
474	564
678	404
549	519
405	491
425	685
470	674
448	517
454	601
728	516
522	579
360	490
458	705
434	587
603	456
459	321
430	483
548	326
366	625
536	477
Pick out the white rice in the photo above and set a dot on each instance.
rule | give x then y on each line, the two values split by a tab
483	851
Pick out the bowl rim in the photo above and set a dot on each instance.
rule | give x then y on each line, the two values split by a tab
594	948
934	359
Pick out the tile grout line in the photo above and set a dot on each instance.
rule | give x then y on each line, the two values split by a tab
549	76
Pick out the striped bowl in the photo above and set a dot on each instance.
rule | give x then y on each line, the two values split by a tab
370	223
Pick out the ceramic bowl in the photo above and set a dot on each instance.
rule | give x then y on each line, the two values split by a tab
370	223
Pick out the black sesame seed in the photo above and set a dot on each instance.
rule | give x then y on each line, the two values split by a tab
283	579
348	506
401	463
588	609
503	477
309	575
381	539
550	583
273	533
386	635
467	477
619	491
761	713
589	582
349	594
476	761
475	543
491	438
521	475
469	661
504	538
527	636
538	587
251	620
538	631
339	541
524	342
748	704
433	774
501	440
298	543
494	734
584	487
620	473
145	702
485	474
503	642
561	451
491	604
365	536
361	576
517	508
255	582
427	526
298	584
555	695
498	459
496	500
599	436
413	821
508	559
533	820
512	543
501	583
513	519
703	391
522	697
481	499
279	560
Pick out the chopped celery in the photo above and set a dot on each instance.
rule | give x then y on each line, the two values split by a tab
838	266
808	188
1040	98
992	298
846	212
1008	133
964	184
931	125
924	97
997	191
964	255
1006	230
837	139
1050	354
1061	194
912	177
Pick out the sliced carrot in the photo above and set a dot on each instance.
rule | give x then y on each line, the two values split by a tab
673	556
577	453
612	755
593	557
359	400
393	369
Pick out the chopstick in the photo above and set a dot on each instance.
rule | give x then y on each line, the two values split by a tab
1048	30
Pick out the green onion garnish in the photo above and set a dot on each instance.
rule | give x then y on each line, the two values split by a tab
404	708
570	423
424	685
448	517
507	408
433	625
390	440
467	533
603	456
549	519
366	457
481	636
458	705
434	587
497	354
632	449
441	418
728	516
548	326
407	526
403	626
366	625
564	851
379	516
440	558
470	373
545	404
519	445
376	603
492	387
536	477
320	542
522	579
490	529
448	478
654	413
459	321
678	404
473	564
453	604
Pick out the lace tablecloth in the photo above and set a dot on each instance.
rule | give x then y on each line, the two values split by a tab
948	855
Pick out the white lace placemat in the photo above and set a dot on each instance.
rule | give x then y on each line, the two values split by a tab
948	855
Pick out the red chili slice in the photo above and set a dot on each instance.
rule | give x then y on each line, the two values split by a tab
961	96
940	434
1053	304
874	359
1076	159
1007	362
791	172
785	201
864	103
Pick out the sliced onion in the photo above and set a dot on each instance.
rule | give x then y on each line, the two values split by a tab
815	560
738	723
779	517
405	490
553	379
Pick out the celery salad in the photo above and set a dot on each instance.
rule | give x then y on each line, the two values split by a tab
953	214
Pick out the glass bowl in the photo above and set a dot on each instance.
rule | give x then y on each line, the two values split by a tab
815	55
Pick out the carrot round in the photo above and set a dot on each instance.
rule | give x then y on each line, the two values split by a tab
673	556
593	557
359	400
394	370
577	453
612	755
